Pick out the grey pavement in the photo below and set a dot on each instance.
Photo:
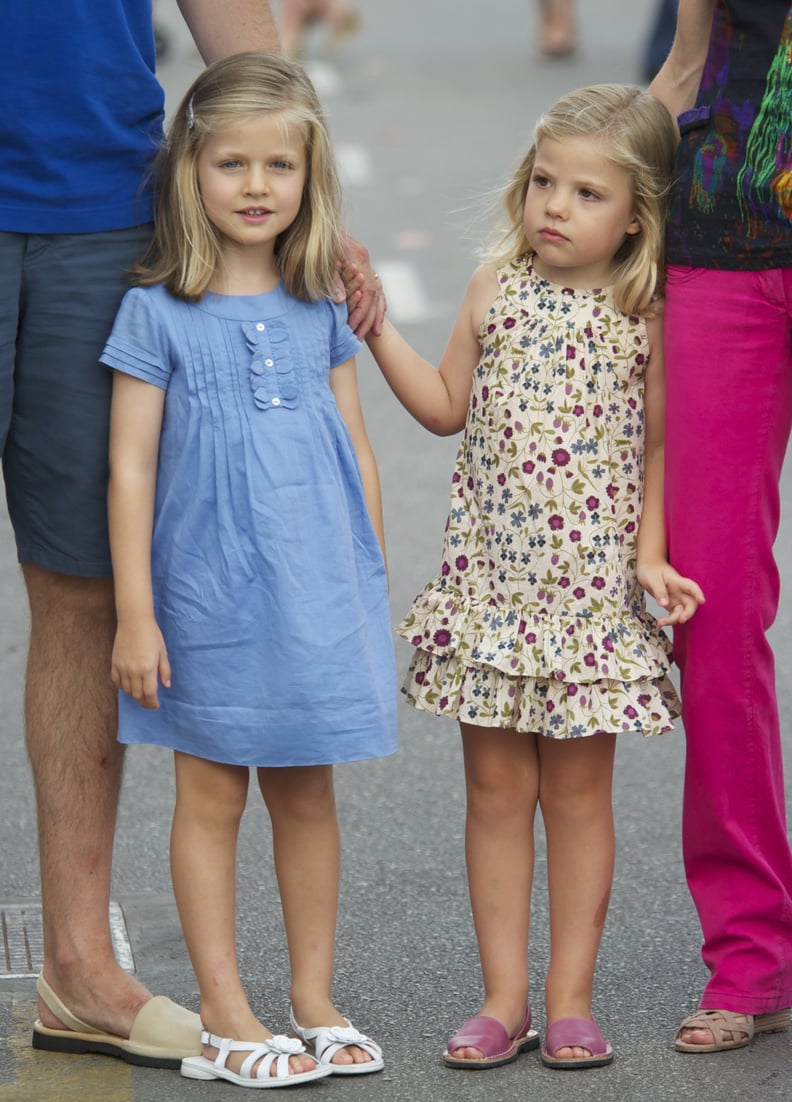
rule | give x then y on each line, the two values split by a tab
430	106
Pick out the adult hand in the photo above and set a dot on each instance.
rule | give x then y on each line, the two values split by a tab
363	290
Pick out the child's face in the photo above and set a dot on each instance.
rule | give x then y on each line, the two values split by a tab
578	210
251	178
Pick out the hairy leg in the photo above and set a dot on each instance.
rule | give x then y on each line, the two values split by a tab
210	800
70	720
501	772
306	843
575	786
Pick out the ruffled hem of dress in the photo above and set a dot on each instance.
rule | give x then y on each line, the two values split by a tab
486	697
569	648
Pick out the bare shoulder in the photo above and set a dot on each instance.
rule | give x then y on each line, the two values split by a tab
482	290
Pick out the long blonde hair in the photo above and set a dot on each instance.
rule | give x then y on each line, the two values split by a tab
640	138
185	251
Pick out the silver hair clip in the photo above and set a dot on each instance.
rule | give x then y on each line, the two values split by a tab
190	113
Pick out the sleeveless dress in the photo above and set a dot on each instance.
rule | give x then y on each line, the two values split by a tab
269	582
536	620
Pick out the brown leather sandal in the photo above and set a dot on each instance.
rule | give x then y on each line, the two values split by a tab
729	1029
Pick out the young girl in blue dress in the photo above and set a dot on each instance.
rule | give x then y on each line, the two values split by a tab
247	541
534	635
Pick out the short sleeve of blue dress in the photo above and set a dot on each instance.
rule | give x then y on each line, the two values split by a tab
269	581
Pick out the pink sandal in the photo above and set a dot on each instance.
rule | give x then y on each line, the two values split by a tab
575	1033
489	1036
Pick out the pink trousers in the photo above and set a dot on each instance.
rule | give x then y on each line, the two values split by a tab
728	350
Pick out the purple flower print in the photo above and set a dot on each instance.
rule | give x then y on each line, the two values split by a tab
592	502
579	592
556	522
461	563
561	457
441	637
420	678
416	642
445	569
571	351
630	712
589	660
509	323
443	703
528	467
598	582
574	536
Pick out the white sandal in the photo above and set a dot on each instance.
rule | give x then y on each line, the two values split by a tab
326	1041
277	1050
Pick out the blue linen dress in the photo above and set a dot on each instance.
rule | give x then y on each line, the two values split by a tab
269	582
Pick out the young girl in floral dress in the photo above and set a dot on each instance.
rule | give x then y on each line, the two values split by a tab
534	635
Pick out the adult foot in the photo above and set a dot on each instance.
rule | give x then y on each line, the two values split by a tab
109	999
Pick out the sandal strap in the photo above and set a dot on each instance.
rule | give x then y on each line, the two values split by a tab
720	1022
326	1041
276	1050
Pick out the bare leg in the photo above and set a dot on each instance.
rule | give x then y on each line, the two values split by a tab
501	770
575	798
70	717
296	16
210	800
556	27
301	804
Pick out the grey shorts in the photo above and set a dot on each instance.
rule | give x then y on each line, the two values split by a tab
58	298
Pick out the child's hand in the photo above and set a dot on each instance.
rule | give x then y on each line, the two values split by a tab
139	661
679	596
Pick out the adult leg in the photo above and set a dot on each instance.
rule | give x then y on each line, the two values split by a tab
306	844
502	782
575	795
70	717
728	415
55	465
210	800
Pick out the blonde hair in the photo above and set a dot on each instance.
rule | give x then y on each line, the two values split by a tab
641	139
185	251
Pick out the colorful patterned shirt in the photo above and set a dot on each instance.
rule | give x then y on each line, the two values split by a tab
732	205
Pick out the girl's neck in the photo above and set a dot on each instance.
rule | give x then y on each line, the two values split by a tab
245	273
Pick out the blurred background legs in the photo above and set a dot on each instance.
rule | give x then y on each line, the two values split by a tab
337	19
557	32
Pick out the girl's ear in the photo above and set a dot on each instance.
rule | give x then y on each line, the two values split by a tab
634	227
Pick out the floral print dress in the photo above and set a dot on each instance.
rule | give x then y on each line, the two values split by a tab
536	620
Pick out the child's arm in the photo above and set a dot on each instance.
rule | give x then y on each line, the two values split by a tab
438	398
139	654
343	383
679	596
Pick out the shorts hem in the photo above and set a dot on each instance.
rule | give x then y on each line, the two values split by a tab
63	564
